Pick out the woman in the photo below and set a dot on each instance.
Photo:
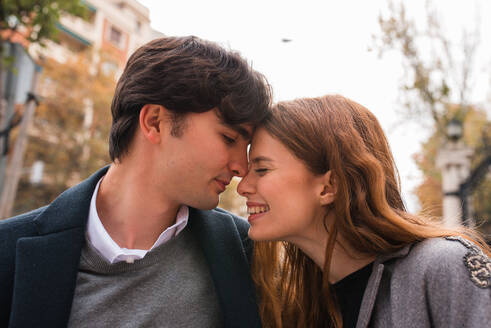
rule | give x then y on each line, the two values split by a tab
335	246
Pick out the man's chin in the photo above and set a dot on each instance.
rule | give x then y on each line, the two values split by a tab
206	208
205	205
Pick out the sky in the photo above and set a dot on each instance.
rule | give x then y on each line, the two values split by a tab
331	51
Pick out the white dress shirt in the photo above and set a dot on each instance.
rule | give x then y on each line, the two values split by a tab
107	247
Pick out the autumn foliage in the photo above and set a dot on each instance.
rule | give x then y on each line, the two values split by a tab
70	130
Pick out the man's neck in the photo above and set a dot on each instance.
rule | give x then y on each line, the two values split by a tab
132	214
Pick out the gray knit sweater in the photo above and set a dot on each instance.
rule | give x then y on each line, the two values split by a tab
170	287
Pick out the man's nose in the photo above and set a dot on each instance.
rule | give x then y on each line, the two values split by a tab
238	163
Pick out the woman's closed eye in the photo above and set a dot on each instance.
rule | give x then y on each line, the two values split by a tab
261	170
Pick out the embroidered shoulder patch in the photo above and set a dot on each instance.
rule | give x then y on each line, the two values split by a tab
478	264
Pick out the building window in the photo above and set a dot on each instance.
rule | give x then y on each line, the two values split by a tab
115	36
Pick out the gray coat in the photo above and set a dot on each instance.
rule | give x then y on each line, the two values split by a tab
440	282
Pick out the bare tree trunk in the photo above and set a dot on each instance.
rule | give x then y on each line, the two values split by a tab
3	103
1	73
15	166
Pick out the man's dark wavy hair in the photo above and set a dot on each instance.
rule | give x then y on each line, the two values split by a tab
186	75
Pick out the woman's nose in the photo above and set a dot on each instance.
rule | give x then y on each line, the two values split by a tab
245	188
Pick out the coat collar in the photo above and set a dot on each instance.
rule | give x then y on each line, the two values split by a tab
373	284
221	242
395	255
70	209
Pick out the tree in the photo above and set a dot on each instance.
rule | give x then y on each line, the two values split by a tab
438	70
436	88
476	129
34	19
70	130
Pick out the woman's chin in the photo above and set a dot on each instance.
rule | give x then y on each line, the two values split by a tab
261	235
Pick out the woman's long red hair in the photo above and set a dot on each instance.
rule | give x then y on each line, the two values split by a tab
337	134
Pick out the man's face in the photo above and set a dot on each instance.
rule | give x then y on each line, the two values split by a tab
202	160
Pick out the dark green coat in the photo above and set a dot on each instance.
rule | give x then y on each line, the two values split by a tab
40	253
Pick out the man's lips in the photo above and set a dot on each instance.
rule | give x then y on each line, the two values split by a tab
222	184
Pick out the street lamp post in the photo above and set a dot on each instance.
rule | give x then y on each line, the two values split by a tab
454	161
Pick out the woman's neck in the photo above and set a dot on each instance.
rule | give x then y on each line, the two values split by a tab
345	259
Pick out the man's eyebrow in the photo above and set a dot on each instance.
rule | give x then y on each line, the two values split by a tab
243	132
258	159
240	130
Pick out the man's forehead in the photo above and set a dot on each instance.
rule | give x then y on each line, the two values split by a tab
245	130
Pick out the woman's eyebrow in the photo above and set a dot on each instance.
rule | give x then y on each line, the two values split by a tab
258	159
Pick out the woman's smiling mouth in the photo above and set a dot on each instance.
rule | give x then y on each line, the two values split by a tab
255	210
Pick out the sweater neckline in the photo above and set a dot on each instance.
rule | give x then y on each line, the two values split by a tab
92	260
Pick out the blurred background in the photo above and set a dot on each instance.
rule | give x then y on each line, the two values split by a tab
423	68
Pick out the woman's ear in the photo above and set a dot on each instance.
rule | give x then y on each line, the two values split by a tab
151	119
329	188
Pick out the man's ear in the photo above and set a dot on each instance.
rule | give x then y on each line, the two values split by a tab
151	119
328	189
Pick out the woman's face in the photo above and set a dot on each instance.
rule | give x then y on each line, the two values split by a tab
283	196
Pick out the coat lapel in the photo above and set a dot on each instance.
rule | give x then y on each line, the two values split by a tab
45	274
371	291
222	246
370	295
46	265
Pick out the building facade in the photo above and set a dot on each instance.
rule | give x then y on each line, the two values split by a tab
117	27
110	32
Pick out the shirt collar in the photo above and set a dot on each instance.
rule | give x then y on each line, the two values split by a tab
100	239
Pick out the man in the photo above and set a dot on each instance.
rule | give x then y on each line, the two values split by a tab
139	244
